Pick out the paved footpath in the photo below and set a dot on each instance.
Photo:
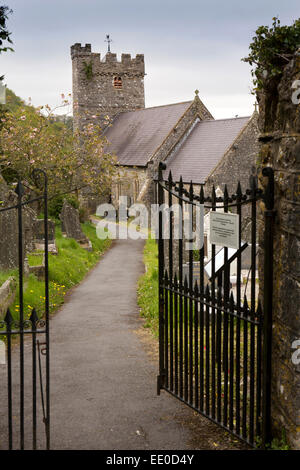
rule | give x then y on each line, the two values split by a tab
103	384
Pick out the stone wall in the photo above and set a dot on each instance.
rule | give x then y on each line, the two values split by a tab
7	295
279	124
94	93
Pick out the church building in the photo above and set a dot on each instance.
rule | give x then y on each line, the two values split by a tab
184	135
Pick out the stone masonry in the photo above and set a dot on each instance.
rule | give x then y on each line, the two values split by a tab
238	164
9	254
8	229
279	122
103	88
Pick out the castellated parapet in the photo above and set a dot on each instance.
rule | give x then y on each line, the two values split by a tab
105	87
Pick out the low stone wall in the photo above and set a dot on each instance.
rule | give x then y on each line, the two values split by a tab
279	122
7	295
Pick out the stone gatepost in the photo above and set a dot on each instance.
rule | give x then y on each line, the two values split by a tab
279	124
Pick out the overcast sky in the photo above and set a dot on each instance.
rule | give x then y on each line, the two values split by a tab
188	44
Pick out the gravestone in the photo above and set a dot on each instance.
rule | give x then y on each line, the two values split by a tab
196	273
9	248
39	230
69	217
39	235
7	295
8	229
29	218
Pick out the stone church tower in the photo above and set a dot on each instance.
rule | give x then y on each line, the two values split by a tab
105	87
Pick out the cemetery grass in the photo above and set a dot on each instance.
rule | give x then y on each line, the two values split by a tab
35	260
148	287
66	270
4	275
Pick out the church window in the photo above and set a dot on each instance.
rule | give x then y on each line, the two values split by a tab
117	82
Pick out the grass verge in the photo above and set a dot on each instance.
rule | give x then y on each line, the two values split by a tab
148	287
66	269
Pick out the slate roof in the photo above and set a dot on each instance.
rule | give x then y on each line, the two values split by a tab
203	149
136	135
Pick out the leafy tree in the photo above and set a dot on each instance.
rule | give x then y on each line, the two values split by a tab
271	49
4	33
4	39
13	102
74	162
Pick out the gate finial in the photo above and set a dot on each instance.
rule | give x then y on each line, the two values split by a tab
8	317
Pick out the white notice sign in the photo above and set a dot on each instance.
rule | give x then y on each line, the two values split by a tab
224	229
2	353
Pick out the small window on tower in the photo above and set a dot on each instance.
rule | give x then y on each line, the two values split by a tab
117	82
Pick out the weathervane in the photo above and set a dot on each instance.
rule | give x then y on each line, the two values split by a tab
108	40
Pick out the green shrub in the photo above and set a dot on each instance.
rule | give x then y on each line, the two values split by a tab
56	203
271	49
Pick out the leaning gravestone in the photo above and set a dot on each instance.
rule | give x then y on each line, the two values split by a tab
69	217
29	218
9	251
8	228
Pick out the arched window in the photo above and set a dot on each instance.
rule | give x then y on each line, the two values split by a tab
117	82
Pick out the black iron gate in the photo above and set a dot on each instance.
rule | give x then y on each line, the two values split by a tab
214	328
23	415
